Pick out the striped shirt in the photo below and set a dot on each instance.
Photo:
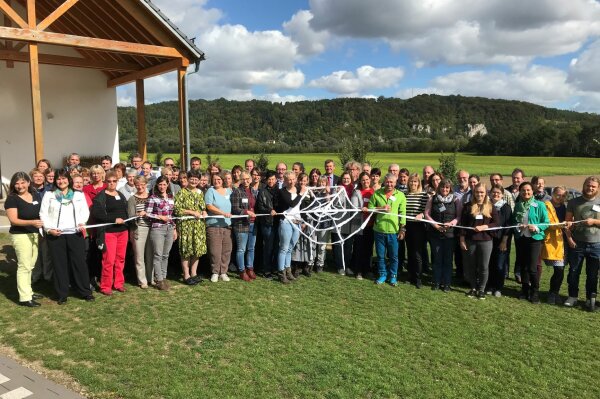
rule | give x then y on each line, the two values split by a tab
415	203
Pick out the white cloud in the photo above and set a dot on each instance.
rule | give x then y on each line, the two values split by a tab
191	16
309	41
366	78
464	31
537	84
583	71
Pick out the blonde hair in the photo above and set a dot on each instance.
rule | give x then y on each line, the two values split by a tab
486	208
415	176
98	168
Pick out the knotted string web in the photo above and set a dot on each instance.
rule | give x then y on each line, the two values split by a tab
326	211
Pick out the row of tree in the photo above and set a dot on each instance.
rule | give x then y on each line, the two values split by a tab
425	123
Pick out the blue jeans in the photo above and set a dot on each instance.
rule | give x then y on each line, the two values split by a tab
442	249
245	243
289	234
385	242
268	237
591	253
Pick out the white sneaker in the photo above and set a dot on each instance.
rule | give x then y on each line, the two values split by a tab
214	278
359	276
570	302
497	294
224	277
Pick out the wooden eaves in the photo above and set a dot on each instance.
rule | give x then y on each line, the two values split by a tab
128	40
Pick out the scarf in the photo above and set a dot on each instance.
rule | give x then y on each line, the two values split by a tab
65	199
444	200
521	208
499	204
349	188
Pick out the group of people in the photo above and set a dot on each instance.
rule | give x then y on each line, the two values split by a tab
75	226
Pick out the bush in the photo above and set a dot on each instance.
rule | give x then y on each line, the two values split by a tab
448	165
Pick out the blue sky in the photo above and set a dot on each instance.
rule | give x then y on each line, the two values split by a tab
541	51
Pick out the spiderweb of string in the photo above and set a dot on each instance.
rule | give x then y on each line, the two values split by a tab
328	211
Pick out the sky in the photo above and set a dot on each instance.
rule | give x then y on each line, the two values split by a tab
541	51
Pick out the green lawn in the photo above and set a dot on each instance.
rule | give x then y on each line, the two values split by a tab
482	165
326	337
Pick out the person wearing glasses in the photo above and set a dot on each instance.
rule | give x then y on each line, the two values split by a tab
109	206
64	213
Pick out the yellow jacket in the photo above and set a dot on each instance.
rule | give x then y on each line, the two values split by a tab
553	248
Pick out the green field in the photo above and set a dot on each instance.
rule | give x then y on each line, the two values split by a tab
322	337
482	165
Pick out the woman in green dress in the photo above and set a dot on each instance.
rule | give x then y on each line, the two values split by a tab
192	232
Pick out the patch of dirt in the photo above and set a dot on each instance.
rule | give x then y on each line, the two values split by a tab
575	182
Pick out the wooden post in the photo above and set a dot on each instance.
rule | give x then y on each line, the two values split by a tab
9	45
181	87
36	98
141	119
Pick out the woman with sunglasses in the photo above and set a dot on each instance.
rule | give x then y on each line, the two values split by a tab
110	206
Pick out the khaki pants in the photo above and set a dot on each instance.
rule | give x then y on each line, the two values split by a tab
219	248
26	248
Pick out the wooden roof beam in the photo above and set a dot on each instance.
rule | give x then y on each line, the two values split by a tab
56	14
35	36
149	72
12	14
51	59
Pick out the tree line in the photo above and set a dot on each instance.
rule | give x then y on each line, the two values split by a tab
425	123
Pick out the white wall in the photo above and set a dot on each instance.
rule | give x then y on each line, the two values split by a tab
79	114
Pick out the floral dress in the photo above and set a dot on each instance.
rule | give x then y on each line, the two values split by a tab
191	232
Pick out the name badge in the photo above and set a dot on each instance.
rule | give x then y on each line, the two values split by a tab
392	198
534	204
227	197
117	197
442	208
366	200
244	200
596	208
479	217
35	203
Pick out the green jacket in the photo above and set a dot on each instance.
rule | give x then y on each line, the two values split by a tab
537	214
390	223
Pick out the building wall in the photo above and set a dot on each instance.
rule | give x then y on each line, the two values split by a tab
79	114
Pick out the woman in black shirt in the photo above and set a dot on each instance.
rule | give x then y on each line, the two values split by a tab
23	211
111	207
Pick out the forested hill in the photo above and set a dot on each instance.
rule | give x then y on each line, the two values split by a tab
423	123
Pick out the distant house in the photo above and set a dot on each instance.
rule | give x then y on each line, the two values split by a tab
60	64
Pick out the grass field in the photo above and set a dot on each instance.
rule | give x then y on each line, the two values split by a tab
325	337
482	165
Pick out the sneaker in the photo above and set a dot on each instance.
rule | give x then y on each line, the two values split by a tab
497	294
214	278
570	302
488	293
359	276
472	293
446	289
224	277
380	280
319	269
551	298
535	298
418	283
349	272
590	304
143	286
393	281
341	272
435	287
481	295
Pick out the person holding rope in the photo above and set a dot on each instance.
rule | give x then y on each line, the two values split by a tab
289	227
388	227
532	219
64	213
23	209
584	243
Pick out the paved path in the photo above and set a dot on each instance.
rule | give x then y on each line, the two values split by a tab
18	382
